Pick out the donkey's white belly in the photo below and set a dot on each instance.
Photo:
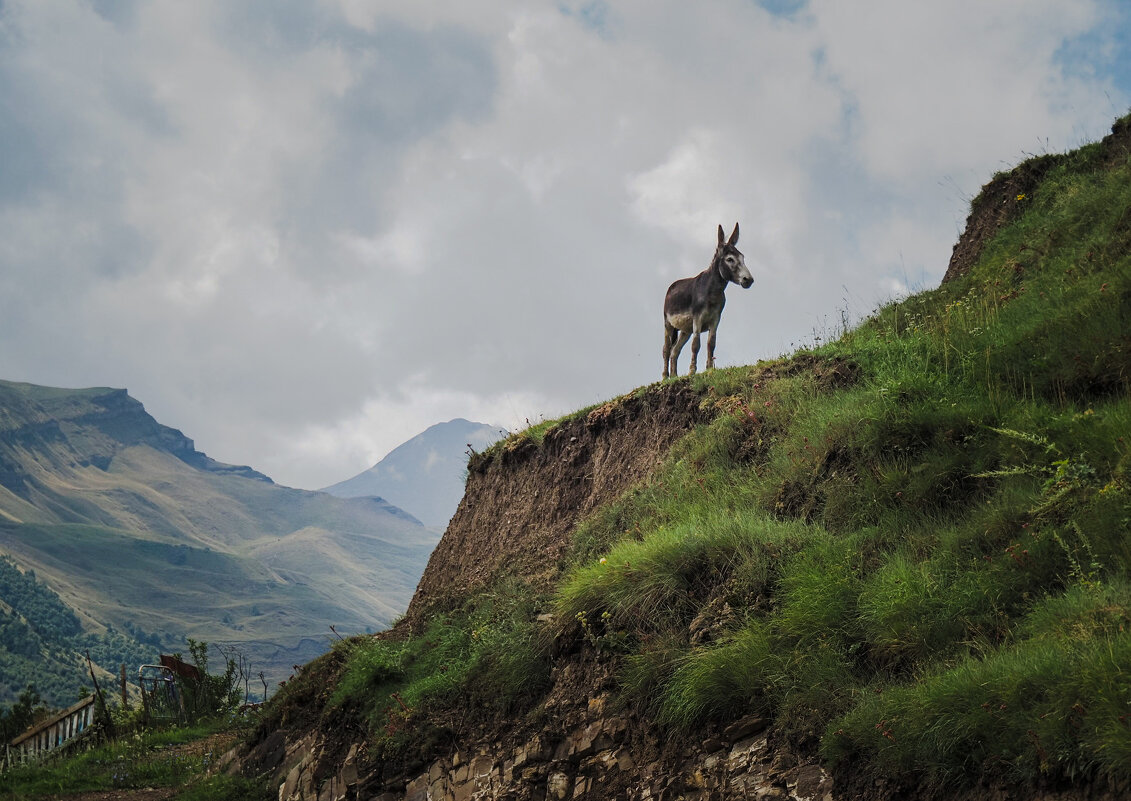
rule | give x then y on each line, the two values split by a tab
685	321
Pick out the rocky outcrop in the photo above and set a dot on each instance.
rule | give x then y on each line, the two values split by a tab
603	756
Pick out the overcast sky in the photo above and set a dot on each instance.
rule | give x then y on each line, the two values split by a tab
302	231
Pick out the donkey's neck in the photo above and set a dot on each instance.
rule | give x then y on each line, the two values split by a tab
717	282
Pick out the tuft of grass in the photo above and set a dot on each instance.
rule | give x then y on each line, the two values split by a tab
488	655
661	580
222	787
1048	706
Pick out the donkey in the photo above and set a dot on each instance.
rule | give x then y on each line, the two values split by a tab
695	304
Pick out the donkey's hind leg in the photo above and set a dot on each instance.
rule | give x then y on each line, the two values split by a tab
677	346
669	340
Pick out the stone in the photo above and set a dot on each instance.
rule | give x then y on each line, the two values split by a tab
744	727
782	762
624	760
562	752
417	789
348	774
584	743
615	728
557	786
711	619
808	781
743	753
712	744
463	792
482	766
290	784
695	780
535	750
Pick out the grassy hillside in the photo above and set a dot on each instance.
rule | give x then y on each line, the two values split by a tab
927	572
133	528
919	569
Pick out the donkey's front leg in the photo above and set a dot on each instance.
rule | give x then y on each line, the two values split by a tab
680	341
711	348
694	352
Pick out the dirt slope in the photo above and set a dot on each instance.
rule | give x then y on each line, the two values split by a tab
523	498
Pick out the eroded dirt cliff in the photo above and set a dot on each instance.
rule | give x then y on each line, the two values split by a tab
523	497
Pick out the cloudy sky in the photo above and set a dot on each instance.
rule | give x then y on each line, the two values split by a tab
302	231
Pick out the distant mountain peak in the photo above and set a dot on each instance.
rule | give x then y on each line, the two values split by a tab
425	475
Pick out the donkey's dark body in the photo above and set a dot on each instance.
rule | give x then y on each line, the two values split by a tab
693	305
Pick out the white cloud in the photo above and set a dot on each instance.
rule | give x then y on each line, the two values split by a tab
682	193
936	88
304	232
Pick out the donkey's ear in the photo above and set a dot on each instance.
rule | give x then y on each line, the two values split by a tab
733	237
722	236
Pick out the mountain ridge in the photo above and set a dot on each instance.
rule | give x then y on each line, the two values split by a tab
120	418
129	524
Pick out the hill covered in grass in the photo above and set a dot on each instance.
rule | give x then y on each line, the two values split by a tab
142	541
894	566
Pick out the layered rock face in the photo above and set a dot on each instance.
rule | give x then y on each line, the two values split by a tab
604	754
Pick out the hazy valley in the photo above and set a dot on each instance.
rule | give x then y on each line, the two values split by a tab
148	541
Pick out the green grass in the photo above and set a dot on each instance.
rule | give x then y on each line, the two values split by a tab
151	759
488	655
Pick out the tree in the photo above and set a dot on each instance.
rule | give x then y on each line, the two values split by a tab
21	714
210	695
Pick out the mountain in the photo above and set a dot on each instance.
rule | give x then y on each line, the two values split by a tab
425	475
892	566
135	530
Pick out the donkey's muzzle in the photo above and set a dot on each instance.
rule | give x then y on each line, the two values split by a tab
746	282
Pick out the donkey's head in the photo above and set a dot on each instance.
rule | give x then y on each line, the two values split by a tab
732	264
